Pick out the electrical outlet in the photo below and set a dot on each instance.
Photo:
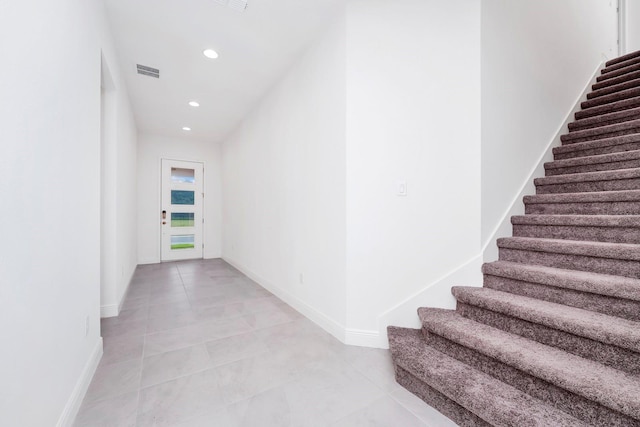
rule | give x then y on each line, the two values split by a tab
86	326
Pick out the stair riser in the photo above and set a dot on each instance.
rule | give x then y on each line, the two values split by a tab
437	400
620	267
616	357
584	233
608	99
605	149
577	406
611	306
585	208
629	84
589	186
608	108
599	121
597	167
570	139
616	80
620	72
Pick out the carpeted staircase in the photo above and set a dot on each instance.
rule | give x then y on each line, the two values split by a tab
553	336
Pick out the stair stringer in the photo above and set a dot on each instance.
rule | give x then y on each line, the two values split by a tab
503	227
436	294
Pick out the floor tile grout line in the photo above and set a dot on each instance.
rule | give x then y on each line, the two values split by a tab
199	371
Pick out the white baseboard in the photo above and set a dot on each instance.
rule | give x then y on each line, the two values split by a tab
364	338
436	294
331	326
82	385
110	310
113	310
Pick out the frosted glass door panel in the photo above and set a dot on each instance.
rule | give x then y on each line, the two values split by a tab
183	175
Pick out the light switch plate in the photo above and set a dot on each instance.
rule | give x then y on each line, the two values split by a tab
401	187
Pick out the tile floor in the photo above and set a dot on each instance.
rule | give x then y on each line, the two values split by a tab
199	344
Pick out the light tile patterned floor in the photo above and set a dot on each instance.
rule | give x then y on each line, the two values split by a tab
199	344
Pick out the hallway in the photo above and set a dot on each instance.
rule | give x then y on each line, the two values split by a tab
197	343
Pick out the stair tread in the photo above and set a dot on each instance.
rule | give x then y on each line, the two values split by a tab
577	321
623	58
579	220
623	251
589	197
489	398
608	386
593	160
609	175
630	124
608	99
626	84
599	143
618	72
616	80
616	115
602	284
622	64
609	107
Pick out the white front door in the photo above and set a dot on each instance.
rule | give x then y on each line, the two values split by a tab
181	210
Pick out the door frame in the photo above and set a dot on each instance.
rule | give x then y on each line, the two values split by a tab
160	206
622	27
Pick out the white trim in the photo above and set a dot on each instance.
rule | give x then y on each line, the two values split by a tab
622	27
126	290
436	294
442	278
363	338
82	385
328	324
111	310
516	207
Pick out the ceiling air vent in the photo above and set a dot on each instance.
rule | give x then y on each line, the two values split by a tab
148	71
237	5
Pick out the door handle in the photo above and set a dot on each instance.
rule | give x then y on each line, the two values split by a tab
164	217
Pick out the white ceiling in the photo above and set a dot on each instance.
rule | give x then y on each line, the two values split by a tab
255	46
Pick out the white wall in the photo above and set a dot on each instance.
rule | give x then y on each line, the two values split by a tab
118	181
536	59
50	221
632	25
284	186
153	148
413	114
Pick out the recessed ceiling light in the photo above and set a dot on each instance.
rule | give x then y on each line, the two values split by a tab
186	128
210	53
194	103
